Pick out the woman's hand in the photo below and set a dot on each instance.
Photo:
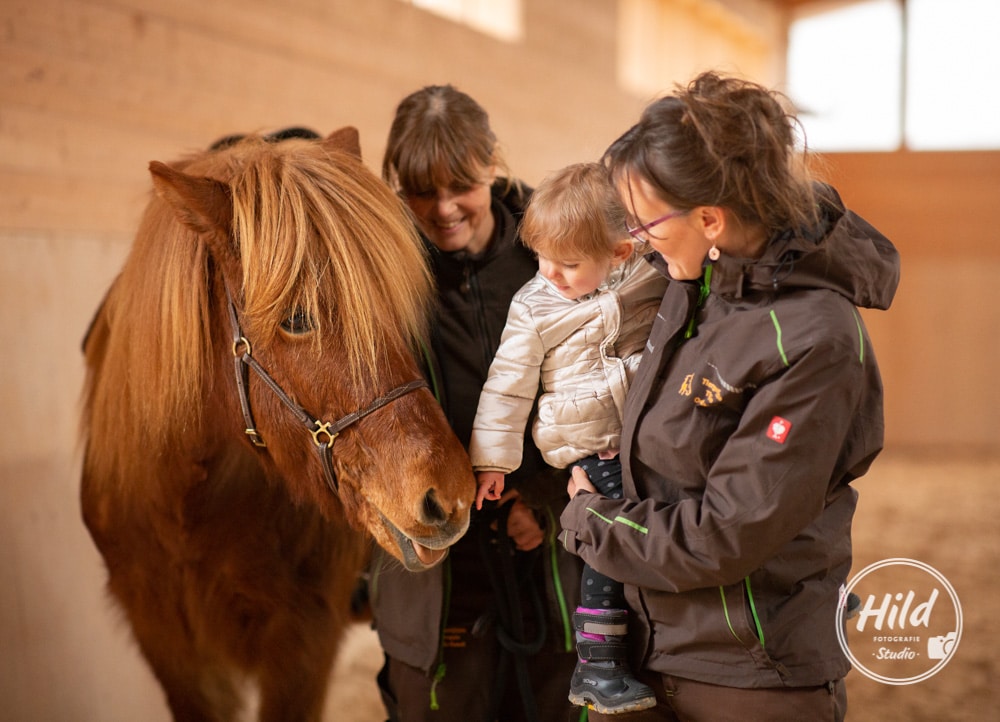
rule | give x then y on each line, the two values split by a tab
522	525
579	481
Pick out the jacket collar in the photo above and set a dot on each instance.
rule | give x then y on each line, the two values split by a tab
843	254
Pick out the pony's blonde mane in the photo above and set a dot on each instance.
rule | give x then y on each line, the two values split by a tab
317	231
313	229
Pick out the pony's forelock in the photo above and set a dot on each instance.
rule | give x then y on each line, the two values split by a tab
330	239
314	230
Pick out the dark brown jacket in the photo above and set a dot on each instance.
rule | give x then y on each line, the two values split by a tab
739	447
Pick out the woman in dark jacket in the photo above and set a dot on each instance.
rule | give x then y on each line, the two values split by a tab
758	401
485	636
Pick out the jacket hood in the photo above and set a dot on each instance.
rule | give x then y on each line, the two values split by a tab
844	254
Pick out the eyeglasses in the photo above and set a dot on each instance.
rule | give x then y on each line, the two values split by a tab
637	232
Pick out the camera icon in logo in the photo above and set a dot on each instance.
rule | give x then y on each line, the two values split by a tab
940	647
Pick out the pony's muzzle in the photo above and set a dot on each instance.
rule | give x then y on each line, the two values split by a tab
431	511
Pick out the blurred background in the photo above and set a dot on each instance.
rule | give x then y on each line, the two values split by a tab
901	97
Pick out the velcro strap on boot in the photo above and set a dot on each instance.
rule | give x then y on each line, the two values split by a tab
591	650
613	622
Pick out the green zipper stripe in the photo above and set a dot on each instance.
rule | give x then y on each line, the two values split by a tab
706	288
620	519
628	522
568	636
725	611
600	516
777	328
753	610
861	336
439	673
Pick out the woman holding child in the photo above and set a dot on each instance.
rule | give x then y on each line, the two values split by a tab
757	403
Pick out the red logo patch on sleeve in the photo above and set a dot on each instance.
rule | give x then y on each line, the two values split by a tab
778	429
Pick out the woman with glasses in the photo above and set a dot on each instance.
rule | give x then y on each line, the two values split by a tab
486	635
757	402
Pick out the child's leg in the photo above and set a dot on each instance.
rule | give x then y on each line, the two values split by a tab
605	474
602	679
600	592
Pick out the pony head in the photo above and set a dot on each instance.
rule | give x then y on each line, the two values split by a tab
330	291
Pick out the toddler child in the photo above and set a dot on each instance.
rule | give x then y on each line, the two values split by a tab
573	339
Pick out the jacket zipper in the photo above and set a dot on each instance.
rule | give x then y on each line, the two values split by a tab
703	291
472	283
753	612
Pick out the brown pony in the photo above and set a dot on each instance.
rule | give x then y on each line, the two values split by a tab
254	416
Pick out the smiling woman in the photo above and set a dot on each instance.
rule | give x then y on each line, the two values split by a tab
442	158
456	217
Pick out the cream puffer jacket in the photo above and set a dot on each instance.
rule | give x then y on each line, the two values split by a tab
581	354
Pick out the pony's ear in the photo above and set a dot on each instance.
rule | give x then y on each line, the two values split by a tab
346	139
202	204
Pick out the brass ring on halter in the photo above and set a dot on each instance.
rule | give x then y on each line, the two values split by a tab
323	428
236	346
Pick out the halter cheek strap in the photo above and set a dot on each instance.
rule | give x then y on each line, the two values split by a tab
324	433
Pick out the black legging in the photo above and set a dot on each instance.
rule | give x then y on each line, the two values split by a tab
598	591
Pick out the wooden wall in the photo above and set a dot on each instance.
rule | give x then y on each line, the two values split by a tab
939	344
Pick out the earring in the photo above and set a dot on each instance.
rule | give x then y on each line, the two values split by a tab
713	253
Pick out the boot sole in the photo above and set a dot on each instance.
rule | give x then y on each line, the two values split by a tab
591	702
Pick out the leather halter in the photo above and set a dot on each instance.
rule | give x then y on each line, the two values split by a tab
324	433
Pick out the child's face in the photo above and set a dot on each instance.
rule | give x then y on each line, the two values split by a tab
575	277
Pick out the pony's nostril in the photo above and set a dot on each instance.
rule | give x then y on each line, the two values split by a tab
432	512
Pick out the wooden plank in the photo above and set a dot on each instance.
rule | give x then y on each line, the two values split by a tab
31	201
929	203
160	75
44	143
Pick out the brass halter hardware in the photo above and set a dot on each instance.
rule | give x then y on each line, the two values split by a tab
324	433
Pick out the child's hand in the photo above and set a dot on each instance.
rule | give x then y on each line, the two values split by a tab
579	481
490	486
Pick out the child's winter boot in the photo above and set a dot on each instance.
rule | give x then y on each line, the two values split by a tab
602	680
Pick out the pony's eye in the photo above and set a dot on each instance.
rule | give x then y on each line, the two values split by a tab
297	322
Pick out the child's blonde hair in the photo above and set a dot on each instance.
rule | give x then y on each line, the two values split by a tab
575	212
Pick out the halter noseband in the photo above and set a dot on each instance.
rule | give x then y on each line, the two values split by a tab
324	433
